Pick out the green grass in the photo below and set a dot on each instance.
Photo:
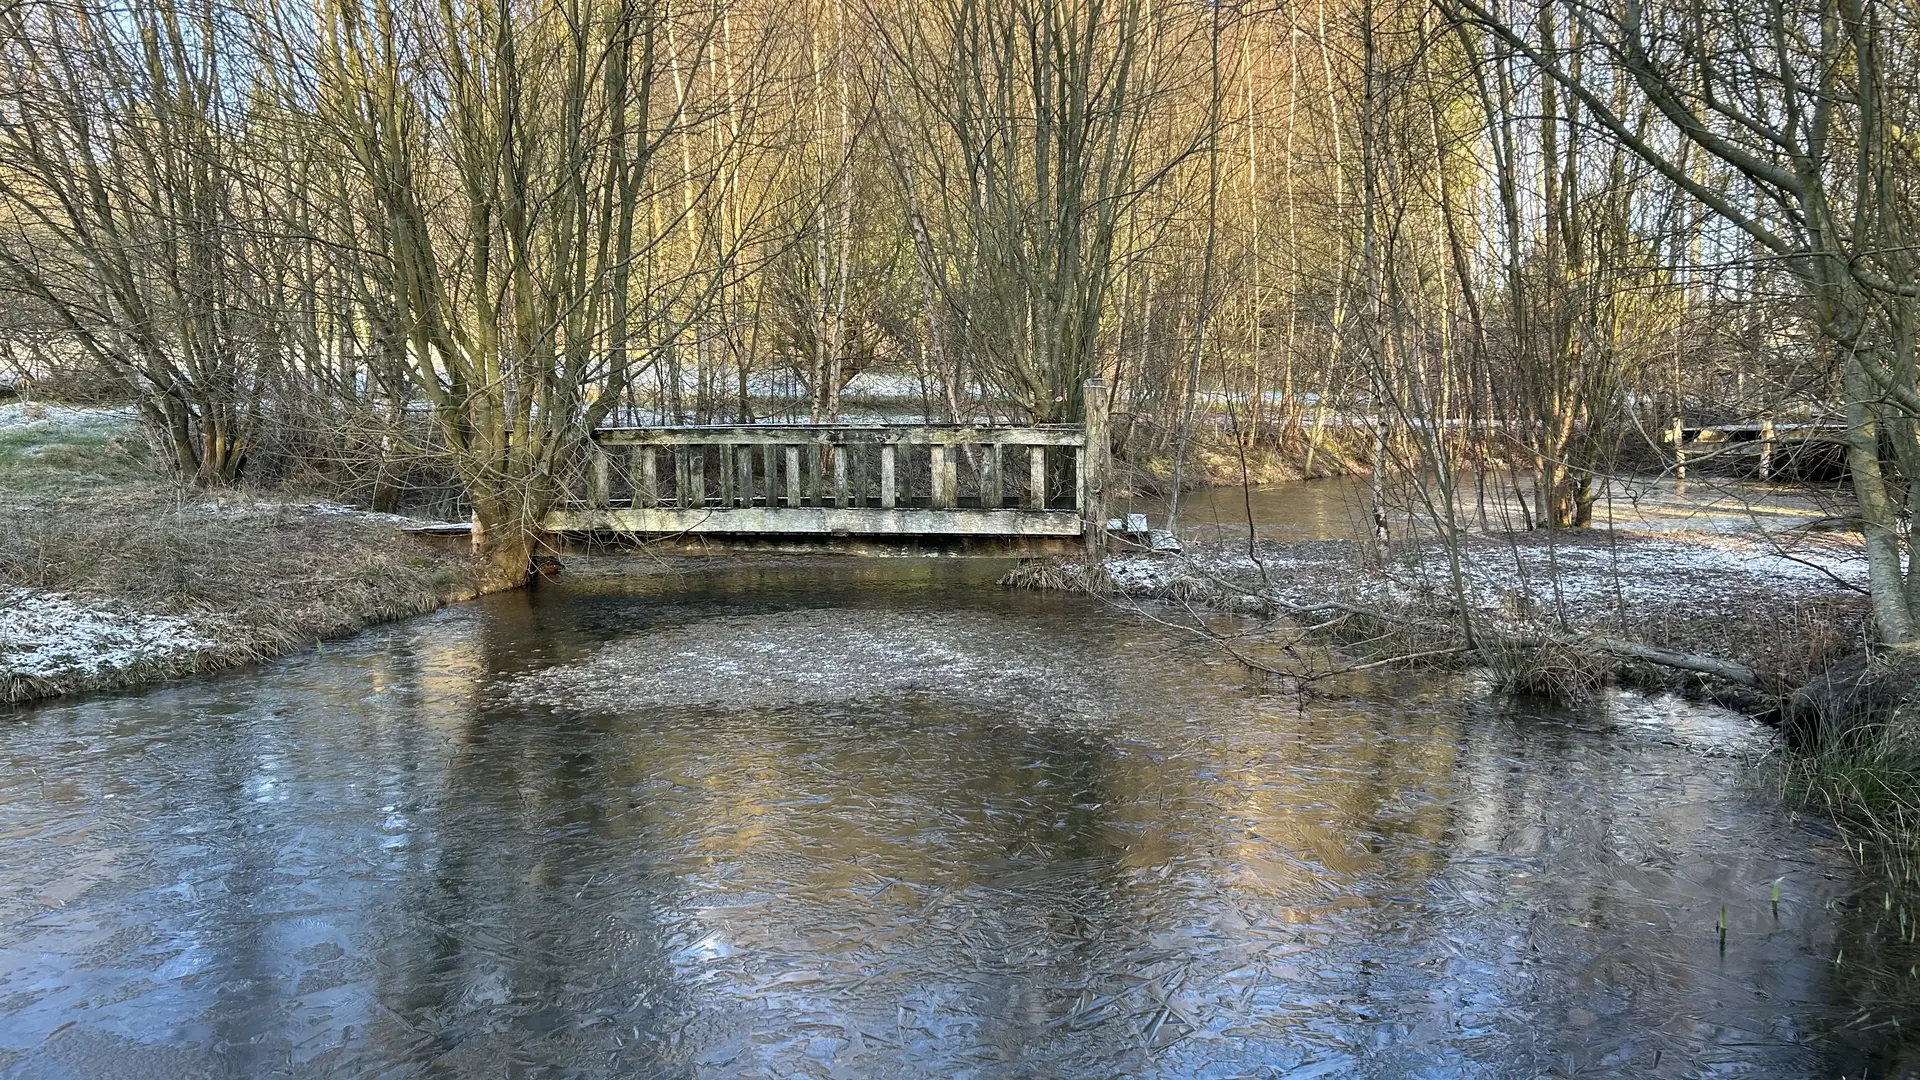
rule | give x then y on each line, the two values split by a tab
1868	780
67	454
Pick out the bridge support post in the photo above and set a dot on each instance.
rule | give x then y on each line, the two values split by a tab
644	477
1678	433
599	483
1766	448
1096	463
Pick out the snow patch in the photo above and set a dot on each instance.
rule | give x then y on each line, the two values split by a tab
47	635
32	416
827	656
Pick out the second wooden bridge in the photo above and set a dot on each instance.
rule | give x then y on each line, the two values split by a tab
857	488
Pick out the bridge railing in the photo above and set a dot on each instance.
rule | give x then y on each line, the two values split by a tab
1044	480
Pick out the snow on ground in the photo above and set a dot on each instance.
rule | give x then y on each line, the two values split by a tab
825	656
1597	572
46	635
20	416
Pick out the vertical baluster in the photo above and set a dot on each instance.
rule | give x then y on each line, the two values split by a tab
857	475
887	496
644	476
943	477
814	450
1036	478
990	496
793	476
743	478
839	475
725	467
599	482
1080	479
770	474
696	477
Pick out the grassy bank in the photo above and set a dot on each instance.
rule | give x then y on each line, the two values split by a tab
112	576
1785	615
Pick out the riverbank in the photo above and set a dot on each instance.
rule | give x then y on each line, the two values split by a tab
1786	609
111	576
1775	624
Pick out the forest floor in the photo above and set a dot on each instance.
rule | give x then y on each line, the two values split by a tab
1786	607
112	575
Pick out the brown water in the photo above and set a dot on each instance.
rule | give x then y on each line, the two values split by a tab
883	819
1340	508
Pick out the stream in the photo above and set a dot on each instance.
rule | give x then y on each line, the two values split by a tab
824	818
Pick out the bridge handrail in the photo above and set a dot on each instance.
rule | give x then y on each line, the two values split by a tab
848	478
864	434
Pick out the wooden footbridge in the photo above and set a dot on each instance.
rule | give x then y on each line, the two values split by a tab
913	489
1770	444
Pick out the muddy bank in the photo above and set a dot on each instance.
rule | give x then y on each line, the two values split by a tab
1785	609
112	577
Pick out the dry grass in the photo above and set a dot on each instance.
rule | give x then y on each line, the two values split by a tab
88	518
1548	668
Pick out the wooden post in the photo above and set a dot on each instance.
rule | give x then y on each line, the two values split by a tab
990	496
857	471
726	474
887	476
1036	478
770	473
839	475
1677	432
599	485
1095	461
643	473
814	450
683	476
696	477
943	477
743	477
1766	448
793	476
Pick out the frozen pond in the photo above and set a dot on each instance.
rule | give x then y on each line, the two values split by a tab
883	819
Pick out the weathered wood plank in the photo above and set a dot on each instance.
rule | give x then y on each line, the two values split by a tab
887	467
1095	460
839	474
829	434
599	480
643	473
944	481
743	476
991	496
793	476
867	521
696	478
1036	478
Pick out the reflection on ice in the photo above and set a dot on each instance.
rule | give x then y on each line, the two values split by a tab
805	823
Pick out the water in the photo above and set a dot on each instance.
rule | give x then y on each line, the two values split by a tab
1340	508
883	819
